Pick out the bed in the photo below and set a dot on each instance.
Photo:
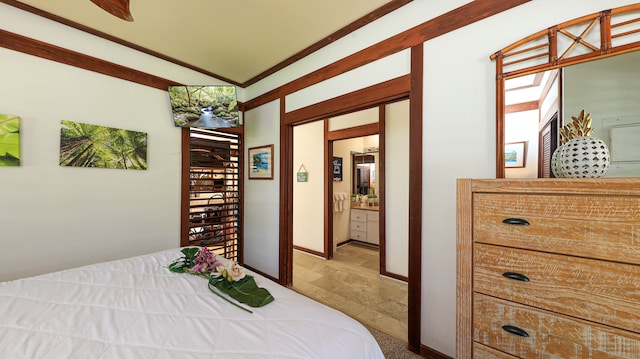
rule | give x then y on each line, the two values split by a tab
137	308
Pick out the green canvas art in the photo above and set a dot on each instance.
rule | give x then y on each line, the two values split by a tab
9	140
85	145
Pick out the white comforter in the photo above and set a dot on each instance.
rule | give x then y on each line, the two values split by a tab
135	308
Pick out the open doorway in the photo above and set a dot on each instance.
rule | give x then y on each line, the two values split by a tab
347	274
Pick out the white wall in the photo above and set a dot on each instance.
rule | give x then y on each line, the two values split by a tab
609	90
308	197
262	197
518	127
397	187
56	217
358	118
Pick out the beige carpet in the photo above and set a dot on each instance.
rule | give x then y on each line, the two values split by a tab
392	348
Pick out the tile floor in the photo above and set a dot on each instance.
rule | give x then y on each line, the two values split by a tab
351	283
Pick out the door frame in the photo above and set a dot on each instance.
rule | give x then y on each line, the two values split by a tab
345	134
410	85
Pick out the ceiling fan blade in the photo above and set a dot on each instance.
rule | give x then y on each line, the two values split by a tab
118	8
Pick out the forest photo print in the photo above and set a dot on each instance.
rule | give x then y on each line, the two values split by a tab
85	145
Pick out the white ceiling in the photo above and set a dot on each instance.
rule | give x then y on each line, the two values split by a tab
234	39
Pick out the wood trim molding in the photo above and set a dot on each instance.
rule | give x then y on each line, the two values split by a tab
547	86
415	200
395	276
370	17
382	213
353	132
464	264
77	26
450	21
500	113
328	192
184	186
523	106
370	96
286	201
430	353
47	51
241	172
310	251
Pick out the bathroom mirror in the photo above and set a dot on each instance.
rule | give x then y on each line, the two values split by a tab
589	63
364	172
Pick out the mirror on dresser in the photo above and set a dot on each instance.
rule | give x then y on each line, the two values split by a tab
544	80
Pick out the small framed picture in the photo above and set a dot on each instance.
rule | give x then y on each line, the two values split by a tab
515	154
261	162
337	168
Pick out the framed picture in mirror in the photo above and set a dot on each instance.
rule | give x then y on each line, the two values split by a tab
515	154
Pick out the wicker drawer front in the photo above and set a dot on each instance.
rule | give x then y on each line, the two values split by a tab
604	227
549	335
600	291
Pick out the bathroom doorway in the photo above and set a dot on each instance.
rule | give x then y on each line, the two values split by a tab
346	274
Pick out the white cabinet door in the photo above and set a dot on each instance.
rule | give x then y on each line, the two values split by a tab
373	227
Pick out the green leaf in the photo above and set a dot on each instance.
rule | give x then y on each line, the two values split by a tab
9	124
244	291
179	265
10	144
9	161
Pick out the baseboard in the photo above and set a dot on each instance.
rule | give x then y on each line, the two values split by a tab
310	251
429	353
355	241
395	276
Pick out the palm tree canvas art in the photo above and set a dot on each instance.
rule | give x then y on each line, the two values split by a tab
85	145
9	140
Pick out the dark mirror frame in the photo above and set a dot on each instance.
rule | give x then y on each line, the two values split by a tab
539	52
359	158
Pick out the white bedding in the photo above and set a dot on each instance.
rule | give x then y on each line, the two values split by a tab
135	308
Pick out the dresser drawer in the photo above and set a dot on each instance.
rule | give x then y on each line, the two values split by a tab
600	291
604	227
484	352
549	335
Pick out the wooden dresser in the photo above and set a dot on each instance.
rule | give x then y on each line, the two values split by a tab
548	268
